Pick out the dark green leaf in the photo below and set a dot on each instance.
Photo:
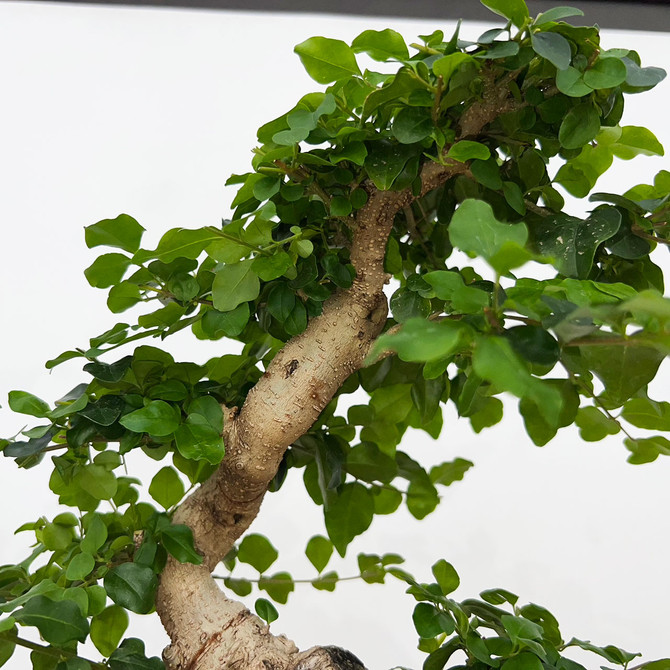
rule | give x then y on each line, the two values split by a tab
104	411
349	515
59	622
514	10
580	125
605	73
178	540
130	656
132	586
446	576
555	14
412	124
266	610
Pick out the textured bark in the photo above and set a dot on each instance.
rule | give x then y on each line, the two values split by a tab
208	630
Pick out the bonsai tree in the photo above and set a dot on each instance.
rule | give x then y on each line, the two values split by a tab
430	181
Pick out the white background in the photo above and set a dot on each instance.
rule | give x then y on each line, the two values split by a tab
148	111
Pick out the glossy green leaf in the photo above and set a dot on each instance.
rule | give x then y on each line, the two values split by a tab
571	82
446	65
179	243
122	232
130	656
635	140
572	242
156	418
96	534
132	586
59	622
257	551
385	162
178	540
107	629
327	60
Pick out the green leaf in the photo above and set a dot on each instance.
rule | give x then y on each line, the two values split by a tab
495	361
385	161
281	301
349	515
257	551
96	534
647	413
156	418
278	586
178	540
554	47
123	296
367	462
406	305
594	425
635	140
523	661
475	230
430	621
605	73
235	284
571	82
179	243
624	370
319	550
59	622
580	125
97	481
104	411
514	10
266	610
412	124
6	649
166	487
80	567
381	45
107	629
107	270
122	232
573	242
420	340
27	403
446	576
466	150
132	586
271	267
556	13
446	65
450	472
327	60
130	656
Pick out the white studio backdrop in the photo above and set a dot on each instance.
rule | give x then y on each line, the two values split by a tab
148	111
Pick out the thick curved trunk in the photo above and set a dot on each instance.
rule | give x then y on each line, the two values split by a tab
208	630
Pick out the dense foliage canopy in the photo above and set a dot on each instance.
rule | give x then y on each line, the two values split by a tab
496	288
